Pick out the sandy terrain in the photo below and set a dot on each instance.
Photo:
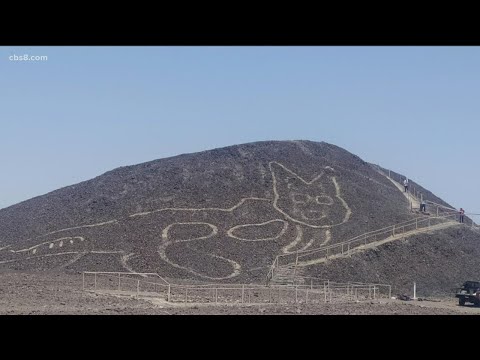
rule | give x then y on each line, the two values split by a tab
60	293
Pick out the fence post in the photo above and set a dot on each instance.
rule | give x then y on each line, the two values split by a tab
216	295
295	268
296	293
389	291
306	299
138	287
342	248
95	281
118	281
168	293
369	291
83	281
243	293
374	292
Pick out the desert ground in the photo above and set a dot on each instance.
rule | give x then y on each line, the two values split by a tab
45	293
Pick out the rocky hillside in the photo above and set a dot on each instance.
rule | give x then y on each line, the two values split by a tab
438	262
218	215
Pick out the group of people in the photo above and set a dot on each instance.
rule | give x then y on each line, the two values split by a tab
423	205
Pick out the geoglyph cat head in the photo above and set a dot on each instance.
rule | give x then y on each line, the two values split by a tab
316	203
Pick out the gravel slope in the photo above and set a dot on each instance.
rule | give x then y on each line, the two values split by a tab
223	215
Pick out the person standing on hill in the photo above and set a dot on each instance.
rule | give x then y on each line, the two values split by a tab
462	213
423	206
405	184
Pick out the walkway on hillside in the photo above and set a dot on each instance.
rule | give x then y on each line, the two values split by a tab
359	243
292	273
415	202
412	199
375	244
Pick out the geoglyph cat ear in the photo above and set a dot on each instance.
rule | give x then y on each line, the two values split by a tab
284	175
281	173
326	171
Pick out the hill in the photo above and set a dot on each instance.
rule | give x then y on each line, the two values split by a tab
217	215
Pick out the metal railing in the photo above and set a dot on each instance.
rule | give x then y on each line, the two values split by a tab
347	247
121	281
323	292
418	195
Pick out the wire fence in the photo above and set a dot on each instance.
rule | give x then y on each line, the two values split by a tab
324	291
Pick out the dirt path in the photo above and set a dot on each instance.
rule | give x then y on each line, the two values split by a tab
375	244
411	199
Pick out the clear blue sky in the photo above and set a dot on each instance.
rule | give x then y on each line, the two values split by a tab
88	110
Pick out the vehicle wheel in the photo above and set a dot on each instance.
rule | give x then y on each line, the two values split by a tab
461	302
